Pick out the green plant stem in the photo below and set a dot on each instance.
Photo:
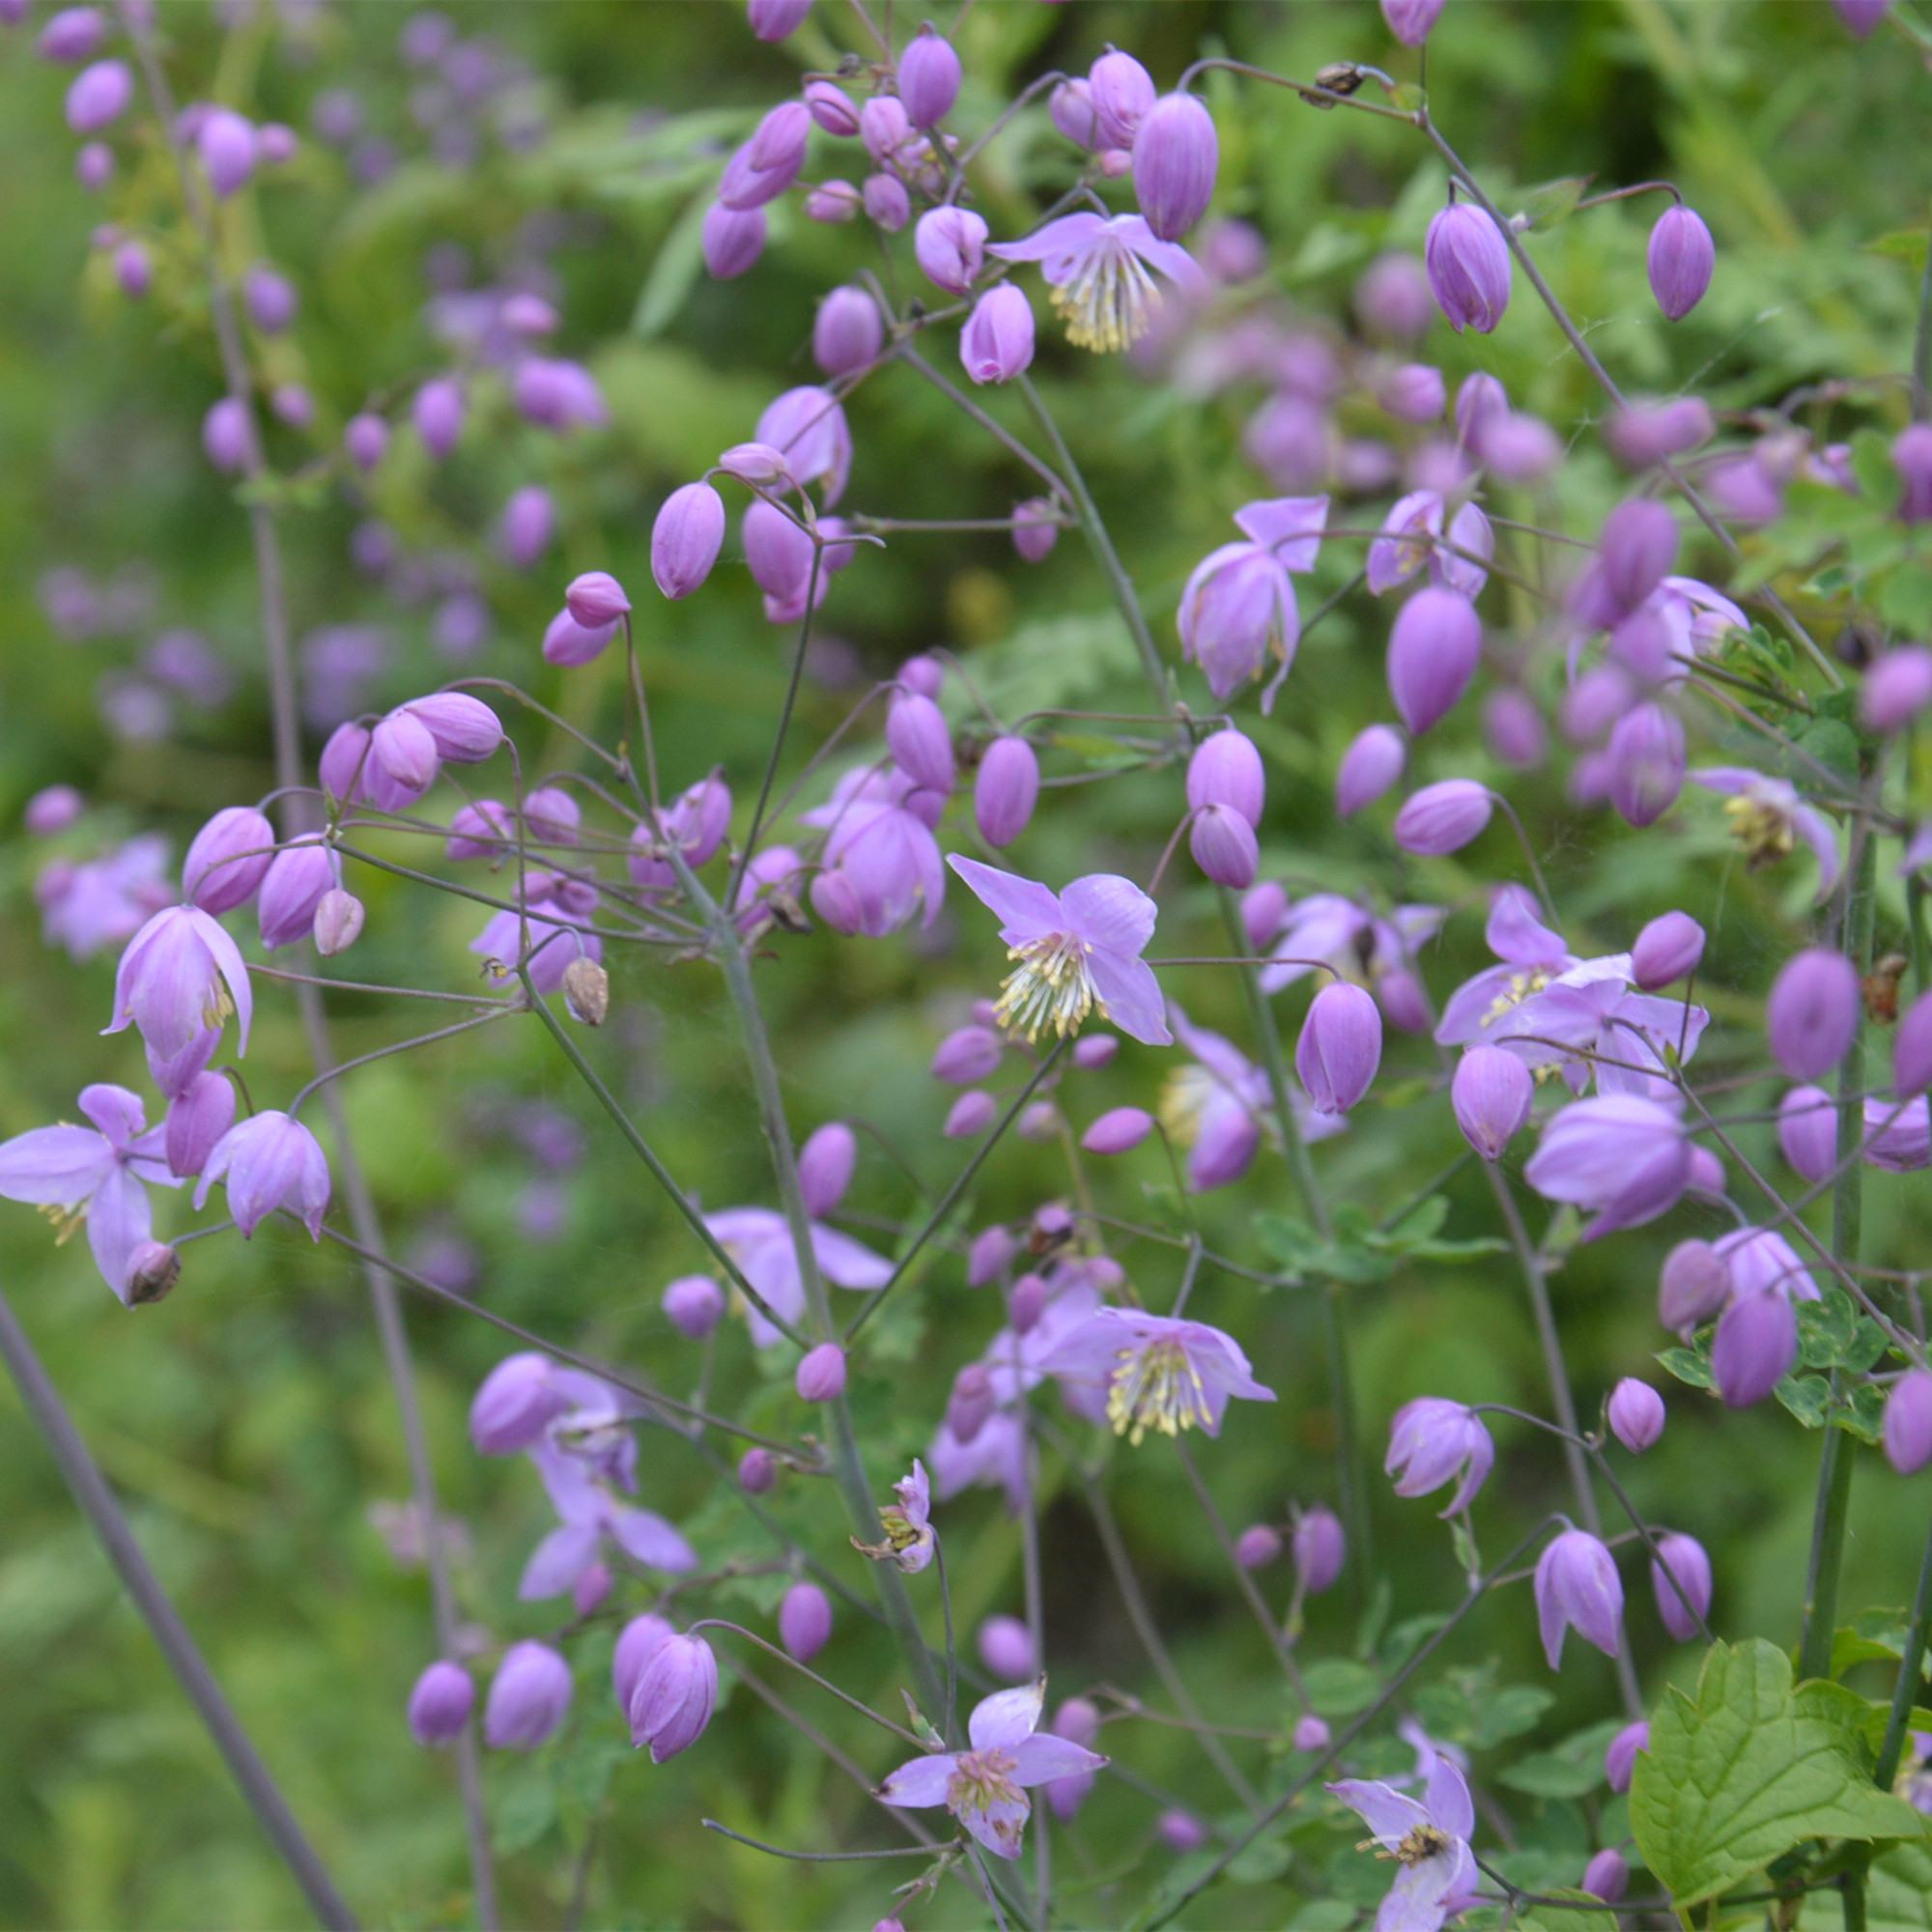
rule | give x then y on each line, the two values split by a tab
1922	348
1905	1694
96	1501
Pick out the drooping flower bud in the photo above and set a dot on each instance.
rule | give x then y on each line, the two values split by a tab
528	1696
1257	1546
770	161
776	19
198	1117
1432	652
73	35
992	1249
441	1703
928	78
821	1374
674	1697
1310	1734
848	334
1005	1649
133	274
516	1402
1027	1303
1006	791
1491	1094
685	540
1035	528
805	1621
732	238
1911	458
1646	766
1908	1422
1121	94
1340	1047
968	1054
1393	298
970	1116
1680	259
366	438
529	523
1225	770
1808	1131
1607	1876
639	1640
971	1405
1694	1284
1897	690
1636	1415
1117	1131
291	889
1639	545
438	412
1911	1049
997	342
825	1165
1578	1588
1320	1549
1682	1605
950	246
1409	20
1469	265
695	1304
1176	156
1670	948
99	97
921	742
1413	393
1813	1013
595	599
1756	1345
757	1471
1621	1754
1442	818
225	436
226	145
831	107
887	203
1369	767
1224	846
1644	434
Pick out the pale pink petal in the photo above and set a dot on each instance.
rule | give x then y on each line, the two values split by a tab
556	1562
1168	257
1730	780
1291	526
1069	234
1131	995
849	1262
1025	908
1389	1814
228	962
1042	1757
1449	1802
118	1222
1006	1716
650	1540
54	1167
999	1826
921	1781
1110	912
116	1112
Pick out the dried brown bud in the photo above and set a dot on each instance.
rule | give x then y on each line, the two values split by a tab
155	1271
587	991
1881	987
1338	77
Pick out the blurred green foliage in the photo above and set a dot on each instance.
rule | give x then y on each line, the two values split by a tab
247	1419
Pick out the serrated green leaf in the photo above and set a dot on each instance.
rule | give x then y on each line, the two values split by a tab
1862	1414
1514	1709
1749	1768
1807	1397
1688	1365
1833	745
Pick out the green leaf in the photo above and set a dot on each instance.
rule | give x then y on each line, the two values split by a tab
1902	245
1750	1769
1553	202
525	1809
674	271
1338	1689
1833	745
1549	1774
1689	1365
1514	1709
1807	1397
1324	1915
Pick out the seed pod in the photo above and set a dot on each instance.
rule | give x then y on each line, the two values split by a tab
587	992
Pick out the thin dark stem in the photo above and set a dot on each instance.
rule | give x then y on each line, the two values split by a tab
819	1858
1905	1694
97	1502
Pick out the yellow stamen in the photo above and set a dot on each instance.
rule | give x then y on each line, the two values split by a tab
1050	987
1105	305
1520	988
1155	1387
1762	829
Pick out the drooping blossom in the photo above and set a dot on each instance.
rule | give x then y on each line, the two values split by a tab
1413	536
882	863
99	1175
808	427
1768	819
986	1787
1077	953
1620	1158
1432	1441
1356	945
1098	270
1238	604
586	1510
1158	1373
1428	1839
266	1162
1578	1588
96	904
182	973
910	1541
759	1241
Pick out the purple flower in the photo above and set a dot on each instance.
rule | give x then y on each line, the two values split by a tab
674	1697
1896	689
1432	1441
1409	20
1121	94
1621	1754
1813	1011
885	200
528	1696
226	144
1755	1347
1176	156
1620	1158
1808	1131
1005	1649
1683	1606
1006	791
1098	270
586	1511
556	912
1428	1841
770	161
1257	1546
291	889
1898	1138
1491	1094
97	1175
1670	948
776	19
1238	603
1646	763
1433	653
950	246
266	1162
1373	762
438	412
986	1787
1469	265
882	863
641	1640
1768	819
1411	535
1607	1876
73	34
1077	953
821	1374
1577	1587
529	523
805	1621
1340	1047
198	1116
1321	1548
180	974
1680	259
760	1242
1119	1130
1393	298
928	78
1443	818
848	333
807	426
910	1541
91	906
441	1703
1157	1373
1413	393
1078	1720
997	342
99	97
1908	1422
1218	1107
731	238
1636	1415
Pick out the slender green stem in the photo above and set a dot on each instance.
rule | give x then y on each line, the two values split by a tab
1905	1694
1922	348
1352	1490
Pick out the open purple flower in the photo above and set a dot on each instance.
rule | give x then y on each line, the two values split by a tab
1218	1107
910	1542
1078	951
587	1513
1577	1587
557	911
986	1787
1768	819
759	1241
1432	1441
1098	270
266	1162
1619	1156
1429	1840
1238	603
1157	1373
180	972
96	1174
1413	536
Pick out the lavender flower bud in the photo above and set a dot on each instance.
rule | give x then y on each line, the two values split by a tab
1442	818
674	1697
1433	653
528	1696
1340	1048
1038	1123
73	35
928	78
1860	16
1006	791
685	540
1036	528
950	246
758	1473
1682	1557
52	809
229	858
1005	1649
1622	1752
592	1587
1403	1003
1897	690
1078	1720
805	1621
1176	156
1070	108
198	1117
1911	1049
779	553
1680	258
831	107
226	144
1908	1422
1521	449
1027	1303
1409	20
291	889
271	298
970	1116
1911	458
1369	767
99	97
1637	1414
293	404
1647	759
1491	1094
1310	1734
1121	91
441	1703
921	742
516	1402
275	144
1639	545
1180	1831
825	1165
991	1250
366	438
1319	1550
1808	1131
1225	770
1118	1131
1607	1876
1694	1284
1469	265
1578	1588
1756	1345
639	1640
695	1304
1393	298
1413	393
595	599
338	921
438	412
770	161
832	202
971	1405
821	1374
776	19
1812	1013
132	271
1257	1546
1224	846
1645	434
997	342
972	1053
884	127
732	238
225	436
887	202
1670	948
529	523
848	334
1263	912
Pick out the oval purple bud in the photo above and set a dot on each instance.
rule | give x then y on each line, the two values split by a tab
1754	1348
921	742
825	1165
1433	653
1911	458
695	1304
1682	1605
950	246
226	144
831	106
366	438
1808	1131
971	1405
1414	393
229	859
776	19
1637	1414
887	202
438	412
805	1621
1468	264
1680	259
1647	756
848	334
1340	1048
1812	1013
1224	846
1118	1131
641	1640
1176	156
1369	767
1908	1422
1257	1546
1694	1284
1225	770
732	238
1911	1049
99	97
528	1696
1670	948
758	1473
674	1697
970	1116
1607	1875
928	78
1491	1094
821	1374
972	1053
997	342
291	889
441	1703
1005	1649
1005	791
686	539
1621	1754
1897	690
225	436
596	599
1121	94
1321	1548
1442	818
1409	20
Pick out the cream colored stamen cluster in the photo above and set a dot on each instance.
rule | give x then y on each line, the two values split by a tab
1105	305
1155	1387
1050	987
